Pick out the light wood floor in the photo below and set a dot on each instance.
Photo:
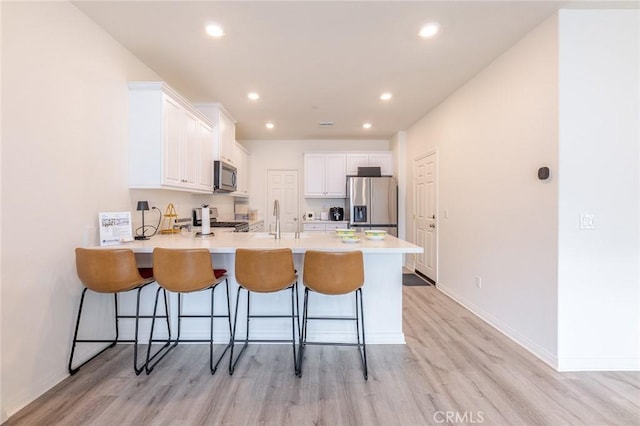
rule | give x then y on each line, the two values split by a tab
452	365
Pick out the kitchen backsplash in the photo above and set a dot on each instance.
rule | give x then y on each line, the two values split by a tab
183	202
318	205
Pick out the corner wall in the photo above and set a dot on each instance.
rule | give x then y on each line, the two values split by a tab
64	150
491	137
599	269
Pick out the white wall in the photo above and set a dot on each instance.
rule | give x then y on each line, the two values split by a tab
288	155
64	150
599	278
491	136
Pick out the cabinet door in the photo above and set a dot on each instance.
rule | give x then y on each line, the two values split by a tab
335	176
172	143
205	171
354	161
384	161
331	227
242	164
314	175
227	138
313	227
191	151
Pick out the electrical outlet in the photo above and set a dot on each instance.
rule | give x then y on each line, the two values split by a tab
587	221
479	282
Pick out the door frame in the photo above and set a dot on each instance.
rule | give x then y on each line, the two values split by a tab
433	152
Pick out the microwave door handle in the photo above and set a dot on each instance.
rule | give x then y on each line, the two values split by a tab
233	179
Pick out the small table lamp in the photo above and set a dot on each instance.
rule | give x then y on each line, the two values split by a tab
142	206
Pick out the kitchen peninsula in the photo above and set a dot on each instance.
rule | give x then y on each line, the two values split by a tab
382	289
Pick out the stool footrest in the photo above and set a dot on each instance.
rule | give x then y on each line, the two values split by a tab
272	316
333	318
330	344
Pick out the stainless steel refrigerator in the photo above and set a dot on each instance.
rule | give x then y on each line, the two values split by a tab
373	203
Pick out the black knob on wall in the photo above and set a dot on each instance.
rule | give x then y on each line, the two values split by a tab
543	173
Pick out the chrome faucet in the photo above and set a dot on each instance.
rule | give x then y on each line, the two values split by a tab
276	213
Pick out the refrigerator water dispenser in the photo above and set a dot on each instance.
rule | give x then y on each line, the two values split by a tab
360	214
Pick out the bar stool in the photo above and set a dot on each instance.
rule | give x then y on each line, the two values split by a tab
109	271
265	271
184	271
334	274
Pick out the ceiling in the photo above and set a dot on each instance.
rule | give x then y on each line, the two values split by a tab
318	61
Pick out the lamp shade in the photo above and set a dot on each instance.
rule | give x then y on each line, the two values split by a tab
142	205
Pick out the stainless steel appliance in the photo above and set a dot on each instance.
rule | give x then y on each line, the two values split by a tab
225	177
239	226
373	203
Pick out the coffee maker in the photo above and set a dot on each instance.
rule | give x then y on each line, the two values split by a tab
336	213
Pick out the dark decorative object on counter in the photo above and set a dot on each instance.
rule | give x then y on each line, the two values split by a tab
142	206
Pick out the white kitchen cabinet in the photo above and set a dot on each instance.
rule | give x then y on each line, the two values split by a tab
331	227
225	131
170	143
323	226
382	159
204	181
324	175
356	160
242	163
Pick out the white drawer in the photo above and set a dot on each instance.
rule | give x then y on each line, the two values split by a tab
330	227
314	227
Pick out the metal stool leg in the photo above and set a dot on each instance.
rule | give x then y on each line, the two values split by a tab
363	354
232	363
164	350
111	344
213	367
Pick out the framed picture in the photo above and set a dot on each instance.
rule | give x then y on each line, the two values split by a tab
115	228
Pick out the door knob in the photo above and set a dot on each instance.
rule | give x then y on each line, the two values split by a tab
433	216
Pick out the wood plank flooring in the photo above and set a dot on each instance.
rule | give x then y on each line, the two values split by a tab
454	369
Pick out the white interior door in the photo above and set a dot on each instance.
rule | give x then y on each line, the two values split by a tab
282	185
425	215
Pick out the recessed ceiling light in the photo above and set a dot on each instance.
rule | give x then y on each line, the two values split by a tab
270	125
253	96
366	126
429	30
385	96
215	30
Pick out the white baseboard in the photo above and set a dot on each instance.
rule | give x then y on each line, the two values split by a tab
598	364
536	350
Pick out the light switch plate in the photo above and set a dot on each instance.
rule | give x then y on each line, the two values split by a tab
587	221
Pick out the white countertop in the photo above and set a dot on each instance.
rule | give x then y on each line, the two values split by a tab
228	242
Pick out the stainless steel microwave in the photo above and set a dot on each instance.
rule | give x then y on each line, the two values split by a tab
225	177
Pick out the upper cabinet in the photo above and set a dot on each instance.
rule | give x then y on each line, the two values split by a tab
325	175
224	148
382	159
170	142
242	159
